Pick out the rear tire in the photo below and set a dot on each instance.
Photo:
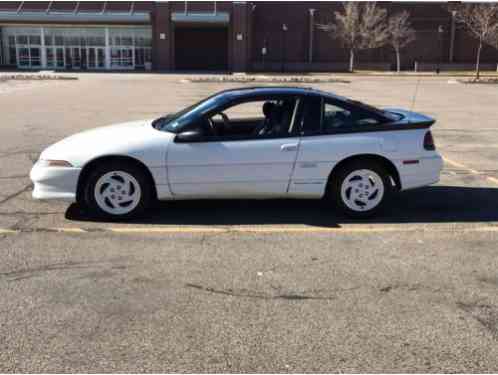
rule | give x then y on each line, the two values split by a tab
117	191
360	189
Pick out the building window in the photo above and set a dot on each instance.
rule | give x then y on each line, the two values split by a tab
130	47
12	57
77	47
27	48
122	48
143	48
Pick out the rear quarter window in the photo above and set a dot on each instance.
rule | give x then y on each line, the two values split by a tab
337	117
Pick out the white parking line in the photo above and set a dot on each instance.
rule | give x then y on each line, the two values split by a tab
470	170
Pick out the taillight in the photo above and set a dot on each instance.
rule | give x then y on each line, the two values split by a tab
429	142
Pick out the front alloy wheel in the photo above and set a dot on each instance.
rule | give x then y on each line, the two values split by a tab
117	193
117	190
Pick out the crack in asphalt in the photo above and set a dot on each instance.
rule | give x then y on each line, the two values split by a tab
32	272
485	314
26	273
409	288
17	193
244	293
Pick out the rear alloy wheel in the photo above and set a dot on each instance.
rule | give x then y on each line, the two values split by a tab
361	189
117	191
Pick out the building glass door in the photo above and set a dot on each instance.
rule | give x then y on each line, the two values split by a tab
76	57
59	58
95	58
28	50
61	47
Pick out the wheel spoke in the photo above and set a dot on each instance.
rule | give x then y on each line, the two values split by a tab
130	188
134	195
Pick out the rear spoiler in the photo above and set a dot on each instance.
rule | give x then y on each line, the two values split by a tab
411	120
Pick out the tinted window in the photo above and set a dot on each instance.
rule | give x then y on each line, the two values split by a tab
247	110
312	115
337	116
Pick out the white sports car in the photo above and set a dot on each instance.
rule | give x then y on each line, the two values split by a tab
263	142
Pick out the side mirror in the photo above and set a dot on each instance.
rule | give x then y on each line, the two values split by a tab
189	136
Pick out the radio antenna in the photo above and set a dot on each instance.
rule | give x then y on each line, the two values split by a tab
414	97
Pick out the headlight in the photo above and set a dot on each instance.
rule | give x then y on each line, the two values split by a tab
54	163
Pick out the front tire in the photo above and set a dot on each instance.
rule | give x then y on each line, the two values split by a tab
117	191
360	189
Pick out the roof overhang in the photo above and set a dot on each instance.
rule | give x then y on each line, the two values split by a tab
221	18
79	17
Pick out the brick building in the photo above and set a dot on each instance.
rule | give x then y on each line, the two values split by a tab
213	36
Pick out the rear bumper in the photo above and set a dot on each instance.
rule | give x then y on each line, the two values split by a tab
54	182
426	172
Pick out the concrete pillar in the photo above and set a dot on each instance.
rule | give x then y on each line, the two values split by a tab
162	37
43	55
2	58
107	49
240	36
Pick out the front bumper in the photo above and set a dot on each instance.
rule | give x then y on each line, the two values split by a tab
54	182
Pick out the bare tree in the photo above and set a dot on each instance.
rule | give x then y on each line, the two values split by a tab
359	26
401	34
480	21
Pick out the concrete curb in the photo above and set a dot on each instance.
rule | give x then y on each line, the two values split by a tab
35	77
481	81
264	79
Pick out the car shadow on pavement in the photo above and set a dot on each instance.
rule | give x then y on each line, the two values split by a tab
434	204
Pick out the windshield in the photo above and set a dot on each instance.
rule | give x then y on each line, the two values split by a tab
174	122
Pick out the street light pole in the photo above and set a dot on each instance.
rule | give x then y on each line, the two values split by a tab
284	30
440	31
312	27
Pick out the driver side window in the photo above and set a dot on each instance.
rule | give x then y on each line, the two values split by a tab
247	110
254	119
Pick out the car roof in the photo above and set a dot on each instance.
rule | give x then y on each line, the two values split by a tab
276	90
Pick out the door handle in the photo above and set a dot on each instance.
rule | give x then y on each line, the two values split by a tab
289	147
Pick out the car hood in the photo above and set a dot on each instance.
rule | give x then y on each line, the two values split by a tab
133	139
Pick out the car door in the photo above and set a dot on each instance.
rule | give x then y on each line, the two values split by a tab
230	166
330	133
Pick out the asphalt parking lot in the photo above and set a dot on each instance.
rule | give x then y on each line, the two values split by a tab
235	286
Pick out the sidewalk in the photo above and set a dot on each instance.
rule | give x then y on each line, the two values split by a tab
36	75
251	77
